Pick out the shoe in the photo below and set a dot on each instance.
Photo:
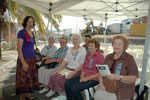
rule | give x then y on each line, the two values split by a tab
50	93
43	90
60	97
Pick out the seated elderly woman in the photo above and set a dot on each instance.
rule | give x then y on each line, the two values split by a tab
74	59
45	73
47	51
89	73
123	70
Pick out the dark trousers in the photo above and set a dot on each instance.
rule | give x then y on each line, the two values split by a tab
73	88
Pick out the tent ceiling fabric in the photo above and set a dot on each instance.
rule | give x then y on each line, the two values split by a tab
92	9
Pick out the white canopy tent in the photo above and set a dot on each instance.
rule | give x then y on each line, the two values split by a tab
100	10
91	9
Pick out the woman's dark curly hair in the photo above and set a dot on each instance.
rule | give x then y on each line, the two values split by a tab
24	24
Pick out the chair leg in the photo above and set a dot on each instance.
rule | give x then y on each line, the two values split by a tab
86	94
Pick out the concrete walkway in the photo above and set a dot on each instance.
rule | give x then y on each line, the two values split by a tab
8	77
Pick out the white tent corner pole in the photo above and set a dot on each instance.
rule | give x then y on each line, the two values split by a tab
105	29
146	54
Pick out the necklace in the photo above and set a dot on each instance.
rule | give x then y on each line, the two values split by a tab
91	56
74	51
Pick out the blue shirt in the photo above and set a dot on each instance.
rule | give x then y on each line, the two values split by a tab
60	53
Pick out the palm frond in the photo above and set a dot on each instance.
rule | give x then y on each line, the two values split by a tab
13	8
18	11
53	19
58	17
36	15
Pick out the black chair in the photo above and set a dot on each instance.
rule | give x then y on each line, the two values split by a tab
140	96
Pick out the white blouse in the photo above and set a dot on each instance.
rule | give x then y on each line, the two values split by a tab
73	61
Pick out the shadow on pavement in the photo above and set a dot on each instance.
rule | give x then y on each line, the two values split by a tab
8	91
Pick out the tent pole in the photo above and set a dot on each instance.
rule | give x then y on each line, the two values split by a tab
105	29
146	54
48	22
47	29
51	26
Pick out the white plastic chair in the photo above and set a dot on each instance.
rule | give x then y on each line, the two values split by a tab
91	91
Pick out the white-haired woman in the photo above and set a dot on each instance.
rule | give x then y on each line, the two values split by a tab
74	59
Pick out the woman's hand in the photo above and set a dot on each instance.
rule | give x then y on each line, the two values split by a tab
48	61
85	79
113	76
37	50
70	75
81	79
56	72
25	66
101	86
45	58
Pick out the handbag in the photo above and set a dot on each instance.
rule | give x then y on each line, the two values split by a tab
110	85
50	65
38	57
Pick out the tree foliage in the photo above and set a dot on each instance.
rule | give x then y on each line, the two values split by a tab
18	11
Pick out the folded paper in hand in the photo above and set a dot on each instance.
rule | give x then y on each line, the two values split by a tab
103	69
63	71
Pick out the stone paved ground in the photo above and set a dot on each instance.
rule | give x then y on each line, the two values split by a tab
7	55
7	77
8	74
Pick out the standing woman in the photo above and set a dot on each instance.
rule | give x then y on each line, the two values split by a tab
26	74
123	70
